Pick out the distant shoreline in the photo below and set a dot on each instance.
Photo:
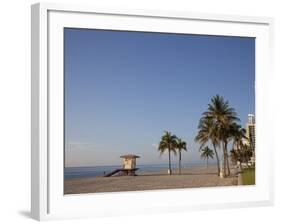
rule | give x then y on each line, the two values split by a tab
96	171
191	163
192	177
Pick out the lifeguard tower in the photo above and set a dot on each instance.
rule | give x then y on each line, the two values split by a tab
129	161
128	166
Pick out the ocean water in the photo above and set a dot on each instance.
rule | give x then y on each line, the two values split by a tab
95	171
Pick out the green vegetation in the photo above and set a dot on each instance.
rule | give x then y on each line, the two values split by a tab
168	143
242	152
172	143
207	153
218	125
181	145
248	176
208	132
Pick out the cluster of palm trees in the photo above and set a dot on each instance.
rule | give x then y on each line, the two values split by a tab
172	143
241	152
219	127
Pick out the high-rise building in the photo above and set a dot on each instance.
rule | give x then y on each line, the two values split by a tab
251	119
250	131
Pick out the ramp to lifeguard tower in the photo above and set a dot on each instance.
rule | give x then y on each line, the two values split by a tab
125	172
112	173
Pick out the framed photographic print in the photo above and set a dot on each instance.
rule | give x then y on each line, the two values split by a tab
138	111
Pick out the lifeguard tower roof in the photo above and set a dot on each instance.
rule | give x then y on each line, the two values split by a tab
129	156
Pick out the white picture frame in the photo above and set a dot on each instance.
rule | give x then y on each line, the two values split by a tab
48	200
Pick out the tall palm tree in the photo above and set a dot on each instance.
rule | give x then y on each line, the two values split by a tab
181	145
223	117
168	143
207	153
208	131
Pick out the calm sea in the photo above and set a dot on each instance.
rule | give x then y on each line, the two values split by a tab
94	171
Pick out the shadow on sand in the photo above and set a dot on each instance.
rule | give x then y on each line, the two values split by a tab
176	174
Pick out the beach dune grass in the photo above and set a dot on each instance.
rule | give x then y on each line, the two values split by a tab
248	176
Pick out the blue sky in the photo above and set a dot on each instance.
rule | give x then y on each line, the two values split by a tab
123	89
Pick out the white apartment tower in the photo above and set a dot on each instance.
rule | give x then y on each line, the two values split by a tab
250	131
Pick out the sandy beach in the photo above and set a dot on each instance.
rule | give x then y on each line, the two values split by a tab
190	178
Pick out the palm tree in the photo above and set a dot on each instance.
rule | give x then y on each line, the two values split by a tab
208	131
181	145
243	155
238	135
247	153
207	153
234	156
223	116
168	142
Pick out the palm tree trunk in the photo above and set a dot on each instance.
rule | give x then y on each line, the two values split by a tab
227	162
224	161
179	162
217	157
224	164
170	170
207	162
239	156
244	157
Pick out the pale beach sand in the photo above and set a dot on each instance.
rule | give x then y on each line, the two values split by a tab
190	178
